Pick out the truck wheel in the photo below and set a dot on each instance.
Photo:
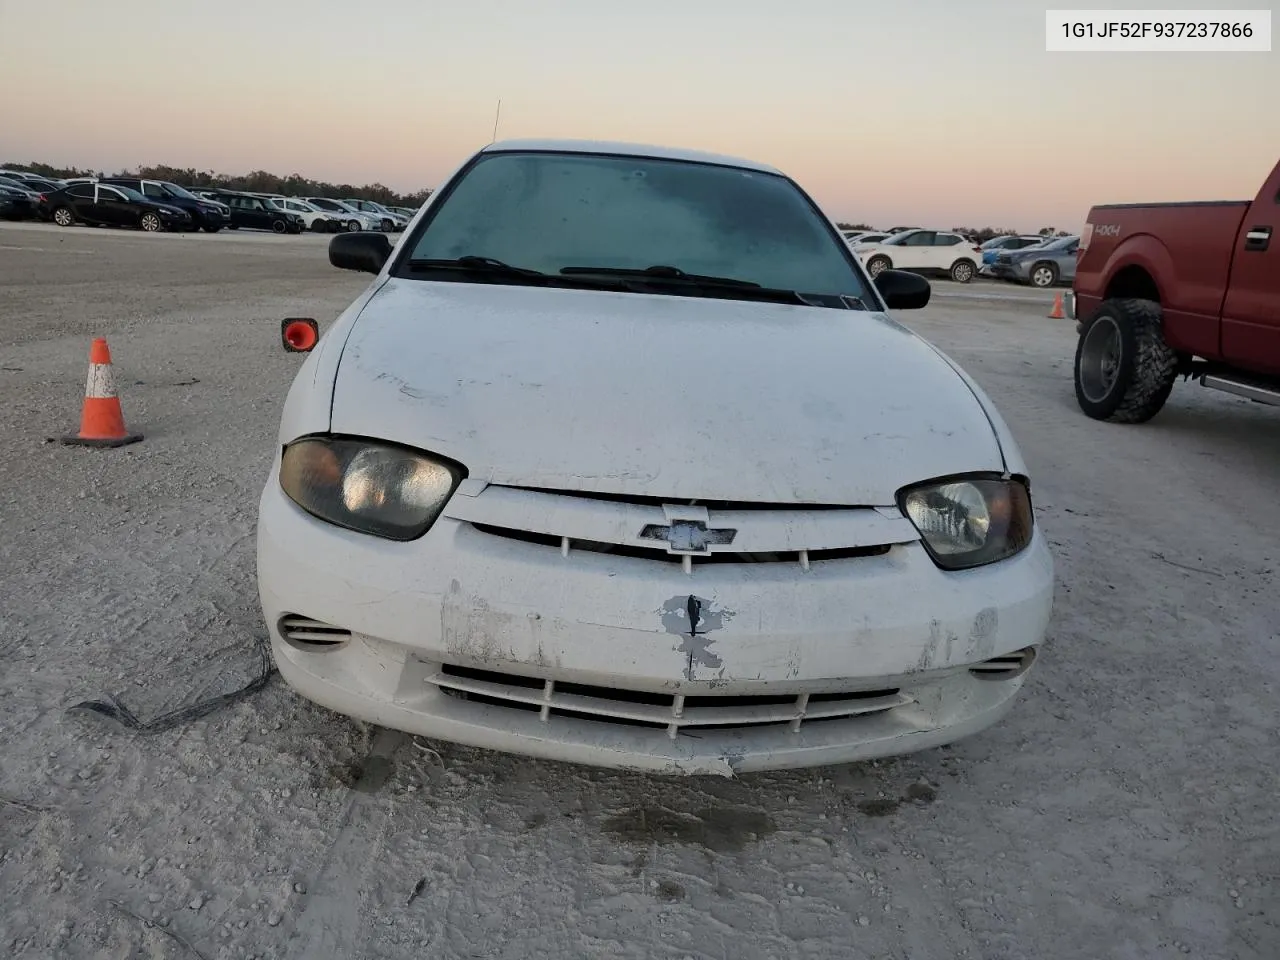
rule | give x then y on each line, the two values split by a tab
1124	370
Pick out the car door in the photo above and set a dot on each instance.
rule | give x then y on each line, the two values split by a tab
80	199
257	213
947	249
1066	260
915	252
114	208
1251	311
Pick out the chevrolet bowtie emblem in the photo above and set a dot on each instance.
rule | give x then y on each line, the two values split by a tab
688	536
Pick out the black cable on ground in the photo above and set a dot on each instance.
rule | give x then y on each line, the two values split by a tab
113	707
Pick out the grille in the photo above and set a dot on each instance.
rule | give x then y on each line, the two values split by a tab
1006	666
567	544
672	713
682	533
313	636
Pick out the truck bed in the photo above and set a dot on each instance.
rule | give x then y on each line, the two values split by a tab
1189	245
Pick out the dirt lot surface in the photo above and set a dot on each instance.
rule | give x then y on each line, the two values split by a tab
1125	809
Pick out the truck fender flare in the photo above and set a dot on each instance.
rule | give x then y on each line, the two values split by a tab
1140	250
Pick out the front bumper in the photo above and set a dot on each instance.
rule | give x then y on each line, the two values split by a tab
505	644
1019	272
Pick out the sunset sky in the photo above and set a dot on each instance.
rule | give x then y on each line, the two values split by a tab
934	112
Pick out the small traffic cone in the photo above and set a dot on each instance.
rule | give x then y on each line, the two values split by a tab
101	419
1056	313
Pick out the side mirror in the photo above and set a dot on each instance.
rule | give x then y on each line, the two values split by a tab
364	251
902	290
299	334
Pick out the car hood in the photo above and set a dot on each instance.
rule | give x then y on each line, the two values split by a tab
678	397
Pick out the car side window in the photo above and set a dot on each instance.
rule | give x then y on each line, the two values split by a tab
922	239
81	191
106	193
945	240
256	204
154	191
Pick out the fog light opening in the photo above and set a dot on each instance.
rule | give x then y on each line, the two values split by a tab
311	636
1007	666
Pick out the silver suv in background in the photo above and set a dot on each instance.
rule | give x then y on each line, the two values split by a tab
388	219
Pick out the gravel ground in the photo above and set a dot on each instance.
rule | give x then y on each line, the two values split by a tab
1123	810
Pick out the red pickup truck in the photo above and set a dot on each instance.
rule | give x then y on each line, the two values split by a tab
1170	290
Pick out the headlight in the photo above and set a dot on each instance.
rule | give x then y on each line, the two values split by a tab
970	522
369	487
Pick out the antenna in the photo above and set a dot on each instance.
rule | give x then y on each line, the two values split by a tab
496	116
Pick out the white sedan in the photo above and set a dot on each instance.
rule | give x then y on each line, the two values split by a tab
931	251
619	460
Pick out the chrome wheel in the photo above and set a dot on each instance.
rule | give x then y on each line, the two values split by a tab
353	226
62	217
962	271
150	222
1100	356
1043	276
877	266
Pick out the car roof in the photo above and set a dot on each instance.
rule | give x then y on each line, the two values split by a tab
621	148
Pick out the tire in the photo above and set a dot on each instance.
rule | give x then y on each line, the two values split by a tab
319	226
878	264
1043	274
963	271
279	226
209	228
151	223
1133	386
63	217
353	226
388	226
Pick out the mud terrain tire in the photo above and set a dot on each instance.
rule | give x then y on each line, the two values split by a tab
1124	370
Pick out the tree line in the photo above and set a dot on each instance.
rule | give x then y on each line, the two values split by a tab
259	181
979	234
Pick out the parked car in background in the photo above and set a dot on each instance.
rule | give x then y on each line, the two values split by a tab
354	219
112	205
33	181
867	237
252	212
17	203
208	215
893	230
317	220
992	248
922	251
387	219
1043	265
407	212
1168	290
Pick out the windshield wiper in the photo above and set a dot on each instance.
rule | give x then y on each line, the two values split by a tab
477	265
662	272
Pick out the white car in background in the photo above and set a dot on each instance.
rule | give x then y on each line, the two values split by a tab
652	482
317	220
868	236
354	220
923	251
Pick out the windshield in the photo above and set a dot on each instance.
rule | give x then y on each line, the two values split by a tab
996	242
548	211
178	191
329	205
15	185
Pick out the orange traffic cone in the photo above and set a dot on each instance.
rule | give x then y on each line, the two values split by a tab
1056	313
101	419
